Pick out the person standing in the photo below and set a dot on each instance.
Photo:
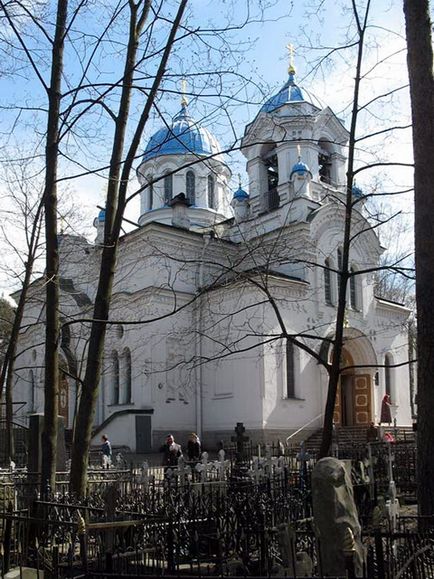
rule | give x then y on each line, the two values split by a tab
386	414
106	450
193	447
171	452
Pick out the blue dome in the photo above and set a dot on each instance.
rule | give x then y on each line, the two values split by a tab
300	168
240	194
101	216
357	192
184	136
289	93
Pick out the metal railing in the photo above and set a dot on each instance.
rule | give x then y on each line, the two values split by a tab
288	438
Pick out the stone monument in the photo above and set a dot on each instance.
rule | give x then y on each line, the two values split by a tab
334	513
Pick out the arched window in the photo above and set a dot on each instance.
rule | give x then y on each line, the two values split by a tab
325	161
388	375
211	198
115	378
190	186
353	290
328	283
168	189
127	383
290	373
271	165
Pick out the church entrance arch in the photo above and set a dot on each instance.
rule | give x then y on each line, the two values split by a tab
354	397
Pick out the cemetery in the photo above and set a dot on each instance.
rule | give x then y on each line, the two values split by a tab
248	510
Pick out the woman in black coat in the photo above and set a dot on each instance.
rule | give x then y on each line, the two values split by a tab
193	447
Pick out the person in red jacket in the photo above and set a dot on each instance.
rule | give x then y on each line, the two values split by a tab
386	415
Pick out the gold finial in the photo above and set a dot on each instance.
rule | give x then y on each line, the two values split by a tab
184	101
291	50
239	180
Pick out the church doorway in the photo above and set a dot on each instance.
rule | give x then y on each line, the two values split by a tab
353	397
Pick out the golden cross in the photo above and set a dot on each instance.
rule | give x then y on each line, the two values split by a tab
184	101
291	50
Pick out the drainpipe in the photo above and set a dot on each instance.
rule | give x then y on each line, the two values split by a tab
198	345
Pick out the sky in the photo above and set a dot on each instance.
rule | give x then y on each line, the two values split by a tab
256	58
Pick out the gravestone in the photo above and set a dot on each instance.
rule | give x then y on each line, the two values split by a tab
295	564
335	512
240	440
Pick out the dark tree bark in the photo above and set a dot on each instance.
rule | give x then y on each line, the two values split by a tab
344	274
51	403
8	366
116	198
420	69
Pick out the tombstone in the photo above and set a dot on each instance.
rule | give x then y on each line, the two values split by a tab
120	462
256	470
222	463
294	564
240	440
183	470
392	504
36	427
111	498
144	475
202	467
334	512
303	457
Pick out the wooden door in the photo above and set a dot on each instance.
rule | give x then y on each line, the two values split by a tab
362	399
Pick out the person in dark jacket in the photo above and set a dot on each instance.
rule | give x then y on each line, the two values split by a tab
193	447
106	450
171	452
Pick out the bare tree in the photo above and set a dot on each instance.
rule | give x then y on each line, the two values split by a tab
420	68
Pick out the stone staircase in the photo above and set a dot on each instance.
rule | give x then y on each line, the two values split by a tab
351	436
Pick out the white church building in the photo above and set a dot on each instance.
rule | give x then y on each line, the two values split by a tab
212	282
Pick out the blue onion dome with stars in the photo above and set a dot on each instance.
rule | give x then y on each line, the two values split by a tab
101	216
184	136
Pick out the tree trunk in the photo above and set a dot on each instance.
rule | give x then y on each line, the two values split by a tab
116	200
420	68
7	371
51	384
89	393
335	369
